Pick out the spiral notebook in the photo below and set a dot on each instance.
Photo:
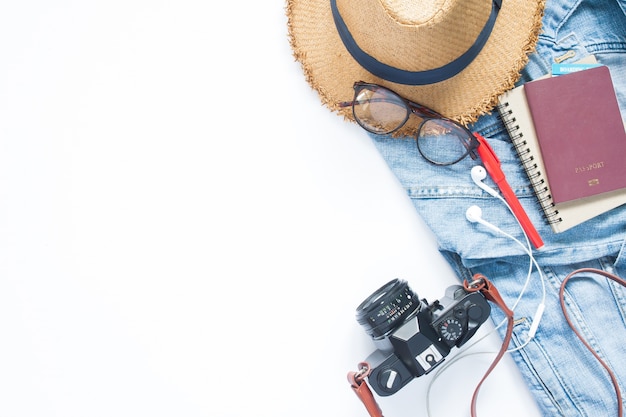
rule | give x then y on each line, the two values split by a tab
516	115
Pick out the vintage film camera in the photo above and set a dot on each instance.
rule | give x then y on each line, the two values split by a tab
413	337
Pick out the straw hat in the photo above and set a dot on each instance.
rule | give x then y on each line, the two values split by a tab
454	56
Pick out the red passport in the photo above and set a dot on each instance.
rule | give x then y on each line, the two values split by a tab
580	132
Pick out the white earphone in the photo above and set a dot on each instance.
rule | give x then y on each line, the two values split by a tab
479	173
474	214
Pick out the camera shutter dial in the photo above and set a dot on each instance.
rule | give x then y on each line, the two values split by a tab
451	329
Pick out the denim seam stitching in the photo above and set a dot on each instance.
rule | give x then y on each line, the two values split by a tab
558	404
553	277
522	358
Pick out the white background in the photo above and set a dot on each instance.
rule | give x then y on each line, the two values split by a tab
186	231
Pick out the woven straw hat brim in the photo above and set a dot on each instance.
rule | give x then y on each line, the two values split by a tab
330	69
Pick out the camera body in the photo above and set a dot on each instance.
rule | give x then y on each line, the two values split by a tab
412	336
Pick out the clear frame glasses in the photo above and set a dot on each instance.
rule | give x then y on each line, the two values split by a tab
440	141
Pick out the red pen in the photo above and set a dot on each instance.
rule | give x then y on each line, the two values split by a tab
492	165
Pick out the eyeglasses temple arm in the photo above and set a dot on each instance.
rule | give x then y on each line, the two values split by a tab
369	100
423	111
492	165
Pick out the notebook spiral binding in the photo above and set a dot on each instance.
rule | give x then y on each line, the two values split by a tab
550	213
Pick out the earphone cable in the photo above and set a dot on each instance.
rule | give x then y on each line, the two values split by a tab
534	324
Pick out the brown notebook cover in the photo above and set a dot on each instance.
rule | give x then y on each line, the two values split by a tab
580	133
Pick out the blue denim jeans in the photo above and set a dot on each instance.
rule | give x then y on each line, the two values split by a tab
564	377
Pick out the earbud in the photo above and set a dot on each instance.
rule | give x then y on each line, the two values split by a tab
479	173
474	214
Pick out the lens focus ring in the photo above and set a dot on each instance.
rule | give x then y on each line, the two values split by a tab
387	308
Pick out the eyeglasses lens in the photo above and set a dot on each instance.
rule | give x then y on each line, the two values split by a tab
442	141
379	110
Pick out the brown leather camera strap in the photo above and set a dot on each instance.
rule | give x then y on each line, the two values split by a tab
616	279
362	390
480	283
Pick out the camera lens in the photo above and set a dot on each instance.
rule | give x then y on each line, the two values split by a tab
386	308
